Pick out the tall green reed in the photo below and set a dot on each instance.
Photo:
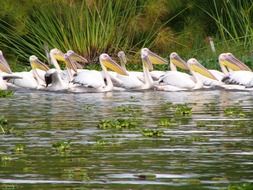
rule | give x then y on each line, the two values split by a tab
87	27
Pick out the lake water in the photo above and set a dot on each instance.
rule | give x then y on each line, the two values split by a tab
203	150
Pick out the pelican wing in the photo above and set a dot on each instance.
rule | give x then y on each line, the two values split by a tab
92	79
178	79
244	78
208	81
156	74
130	82
218	75
26	80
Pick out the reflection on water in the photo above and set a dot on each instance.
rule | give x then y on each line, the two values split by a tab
206	149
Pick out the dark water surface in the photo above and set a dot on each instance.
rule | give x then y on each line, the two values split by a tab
203	150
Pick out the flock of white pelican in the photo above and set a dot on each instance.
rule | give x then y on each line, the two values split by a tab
234	74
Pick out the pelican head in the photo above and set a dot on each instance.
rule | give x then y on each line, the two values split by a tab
122	57
69	63
230	61
4	66
106	61
176	60
75	57
154	58
195	66
57	54
146	61
37	64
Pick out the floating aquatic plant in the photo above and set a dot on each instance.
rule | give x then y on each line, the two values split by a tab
167	105
101	143
4	127
6	93
19	147
76	174
3	120
88	107
234	112
152	133
117	124
243	186
5	158
200	124
166	122
182	109
62	146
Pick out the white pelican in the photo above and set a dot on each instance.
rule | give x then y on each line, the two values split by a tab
240	74
123	61
230	67
26	79
176	81
135	81
93	81
175	61
60	80
228	63
77	60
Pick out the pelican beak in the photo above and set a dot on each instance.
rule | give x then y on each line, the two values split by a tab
122	57
69	62
4	66
107	61
156	59
178	61
230	61
147	62
195	66
59	56
75	57
37	64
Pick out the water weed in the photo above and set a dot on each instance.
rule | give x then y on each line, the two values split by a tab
4	127
62	146
183	110
117	124
152	133
234	112
6	93
166	122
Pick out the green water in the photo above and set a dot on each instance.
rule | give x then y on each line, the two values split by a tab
205	149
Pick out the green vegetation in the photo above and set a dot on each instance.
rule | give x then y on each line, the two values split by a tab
4	127
183	109
94	26
6	93
152	133
62	146
234	112
200	124
166	122
117	123
19	147
244	186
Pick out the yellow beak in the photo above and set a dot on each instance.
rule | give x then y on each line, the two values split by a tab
110	64
4	66
233	63
37	64
59	57
5	69
156	59
179	62
69	63
197	67
75	57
